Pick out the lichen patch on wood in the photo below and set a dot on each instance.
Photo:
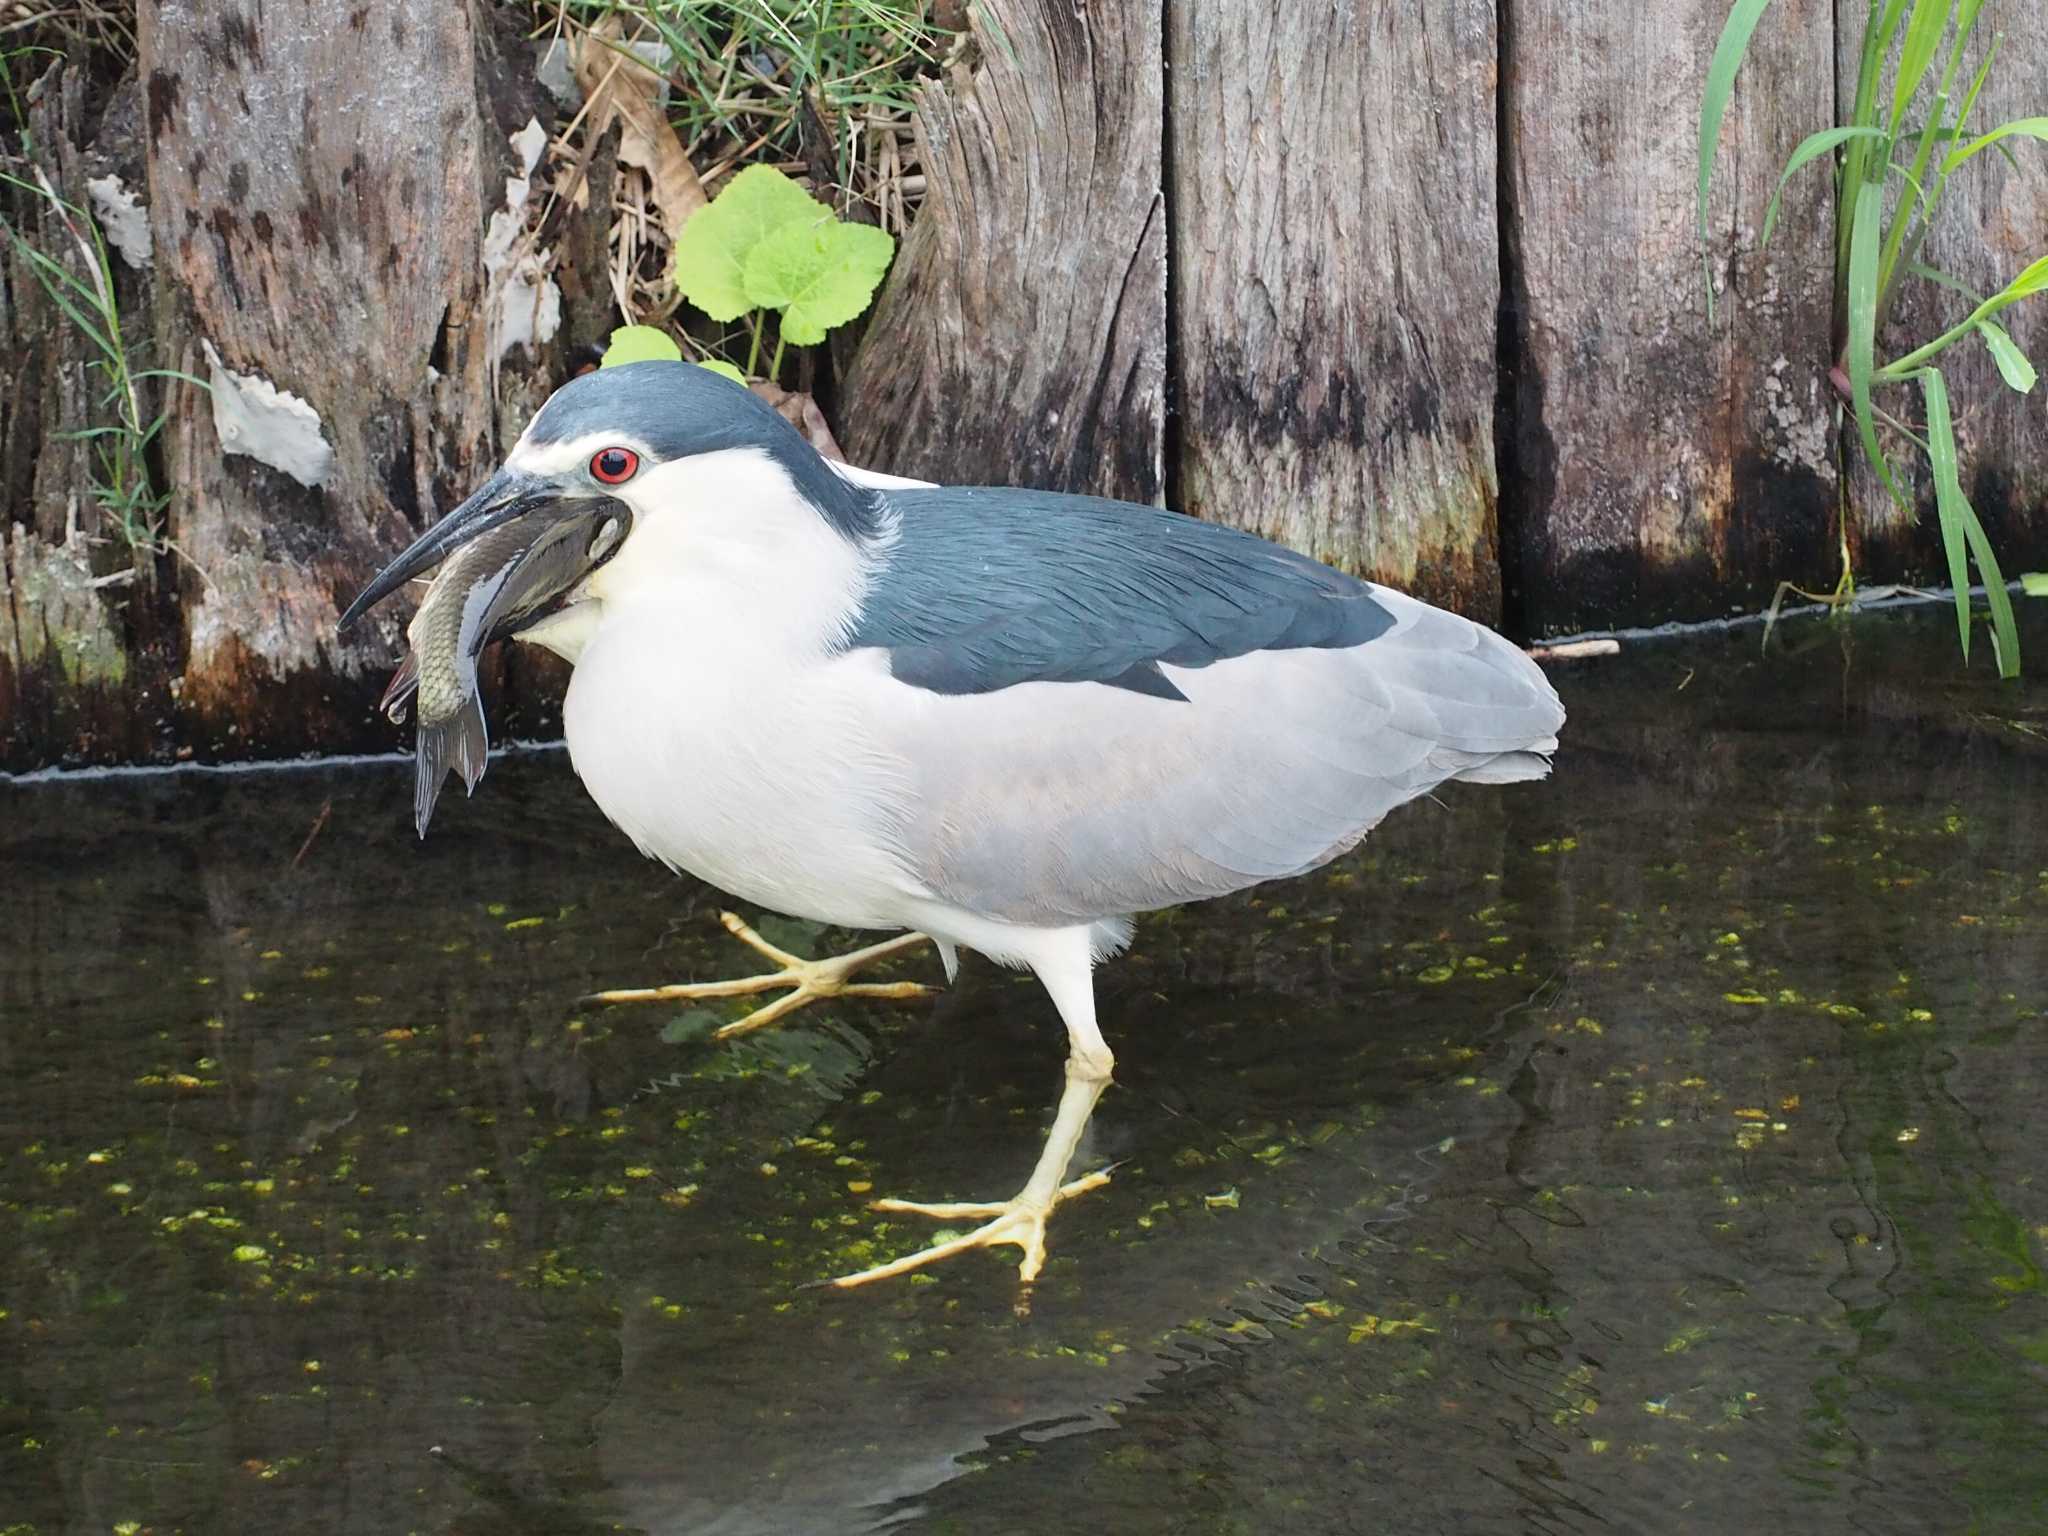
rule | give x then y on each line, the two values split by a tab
53	612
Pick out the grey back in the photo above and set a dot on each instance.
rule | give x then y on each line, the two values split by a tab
986	588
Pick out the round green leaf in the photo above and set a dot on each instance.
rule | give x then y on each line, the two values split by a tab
713	249
724	370
640	344
818	275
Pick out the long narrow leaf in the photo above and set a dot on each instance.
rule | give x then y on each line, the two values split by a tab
1862	350
1919	269
54	268
2013	364
1728	55
1923	41
29	186
1878	30
1810	149
171	373
1949	502
2019	127
71	310
2003	626
1977	84
2030	282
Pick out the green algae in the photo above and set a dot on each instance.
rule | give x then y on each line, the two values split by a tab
1691	1169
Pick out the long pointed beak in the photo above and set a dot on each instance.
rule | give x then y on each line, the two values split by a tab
506	495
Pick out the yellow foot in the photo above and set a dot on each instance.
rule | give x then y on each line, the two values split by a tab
808	980
1020	1222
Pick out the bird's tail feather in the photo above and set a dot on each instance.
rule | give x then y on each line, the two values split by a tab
1509	767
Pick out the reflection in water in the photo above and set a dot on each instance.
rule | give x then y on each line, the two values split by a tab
1657	1148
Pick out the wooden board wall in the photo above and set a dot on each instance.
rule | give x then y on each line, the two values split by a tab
325	240
1994	222
1336	281
1662	464
1022	337
1414	288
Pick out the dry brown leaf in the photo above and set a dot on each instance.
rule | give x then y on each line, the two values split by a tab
801	412
617	85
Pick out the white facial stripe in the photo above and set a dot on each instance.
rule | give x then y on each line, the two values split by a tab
551	459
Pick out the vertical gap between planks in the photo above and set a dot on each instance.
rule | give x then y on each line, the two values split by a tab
1170	481
1511	509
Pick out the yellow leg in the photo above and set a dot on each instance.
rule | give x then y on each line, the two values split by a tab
1019	1221
808	980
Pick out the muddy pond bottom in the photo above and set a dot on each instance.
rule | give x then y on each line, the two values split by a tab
1663	1147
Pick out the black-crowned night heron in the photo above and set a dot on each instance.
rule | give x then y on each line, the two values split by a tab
1002	718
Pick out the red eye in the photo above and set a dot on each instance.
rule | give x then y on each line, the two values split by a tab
614	466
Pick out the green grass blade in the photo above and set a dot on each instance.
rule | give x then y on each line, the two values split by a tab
2025	286
2004	628
1977	85
1961	529
1811	148
1949	502
2019	127
993	25
1879	29
2013	364
7	179
52	268
171	373
1923	40
1862	349
1743	17
44	266
1921	270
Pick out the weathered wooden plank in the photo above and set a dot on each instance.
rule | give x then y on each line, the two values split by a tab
1021	336
1336	282
319	226
1994	221
82	669
1662	465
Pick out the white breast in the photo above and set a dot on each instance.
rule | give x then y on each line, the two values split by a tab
708	714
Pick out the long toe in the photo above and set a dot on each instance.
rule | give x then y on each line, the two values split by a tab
807	980
1021	1226
1018	1222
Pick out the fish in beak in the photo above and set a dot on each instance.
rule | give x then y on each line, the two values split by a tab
511	553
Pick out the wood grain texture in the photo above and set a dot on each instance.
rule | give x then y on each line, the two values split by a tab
1661	464
83	619
1336	283
319	224
1994	221
1021	338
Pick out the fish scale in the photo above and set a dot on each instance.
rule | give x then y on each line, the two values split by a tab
489	588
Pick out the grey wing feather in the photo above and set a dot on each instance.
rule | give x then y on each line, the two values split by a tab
1056	802
978	590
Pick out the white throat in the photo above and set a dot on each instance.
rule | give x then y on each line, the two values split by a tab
724	551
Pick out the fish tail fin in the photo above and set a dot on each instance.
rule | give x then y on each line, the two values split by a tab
461	742
405	682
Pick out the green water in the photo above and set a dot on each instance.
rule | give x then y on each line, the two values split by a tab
1658	1148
